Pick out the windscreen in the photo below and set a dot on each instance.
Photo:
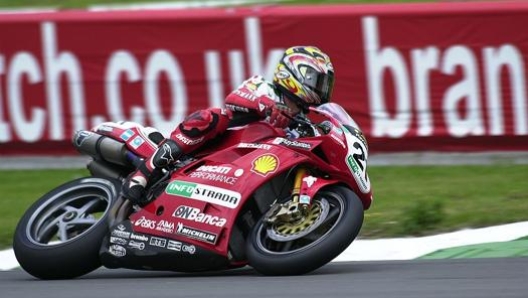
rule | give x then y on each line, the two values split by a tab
339	113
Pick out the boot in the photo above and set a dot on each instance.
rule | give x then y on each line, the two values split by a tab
134	187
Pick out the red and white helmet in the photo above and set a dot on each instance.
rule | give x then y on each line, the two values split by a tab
306	75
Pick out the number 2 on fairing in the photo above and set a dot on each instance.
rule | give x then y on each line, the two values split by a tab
360	158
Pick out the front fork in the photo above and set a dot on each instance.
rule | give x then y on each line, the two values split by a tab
295	209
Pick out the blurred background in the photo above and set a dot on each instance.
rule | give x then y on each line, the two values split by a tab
439	88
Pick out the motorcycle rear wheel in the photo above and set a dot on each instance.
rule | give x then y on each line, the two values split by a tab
292	254
60	235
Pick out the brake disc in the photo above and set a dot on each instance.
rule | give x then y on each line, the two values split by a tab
288	231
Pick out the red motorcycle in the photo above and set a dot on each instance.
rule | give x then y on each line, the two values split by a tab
255	197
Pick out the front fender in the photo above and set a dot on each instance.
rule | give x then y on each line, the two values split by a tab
311	185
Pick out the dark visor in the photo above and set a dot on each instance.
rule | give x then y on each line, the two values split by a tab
322	84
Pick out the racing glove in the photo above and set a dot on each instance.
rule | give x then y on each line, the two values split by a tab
279	114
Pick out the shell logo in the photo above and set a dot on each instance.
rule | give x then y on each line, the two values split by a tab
265	164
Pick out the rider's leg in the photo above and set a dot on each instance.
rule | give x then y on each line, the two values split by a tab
196	129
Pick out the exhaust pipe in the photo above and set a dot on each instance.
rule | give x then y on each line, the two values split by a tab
101	147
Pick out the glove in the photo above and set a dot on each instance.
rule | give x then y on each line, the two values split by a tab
279	114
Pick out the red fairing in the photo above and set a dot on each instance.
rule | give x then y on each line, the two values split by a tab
203	200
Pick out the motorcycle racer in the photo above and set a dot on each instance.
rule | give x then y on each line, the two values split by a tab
303	77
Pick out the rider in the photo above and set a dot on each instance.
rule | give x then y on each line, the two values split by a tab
304	77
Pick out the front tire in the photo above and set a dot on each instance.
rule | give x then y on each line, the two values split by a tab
59	236
287	250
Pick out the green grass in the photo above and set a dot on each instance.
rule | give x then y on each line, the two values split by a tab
466	196
414	200
20	188
86	3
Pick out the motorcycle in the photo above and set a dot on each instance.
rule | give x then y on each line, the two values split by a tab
256	196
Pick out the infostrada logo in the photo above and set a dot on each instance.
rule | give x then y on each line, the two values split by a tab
206	193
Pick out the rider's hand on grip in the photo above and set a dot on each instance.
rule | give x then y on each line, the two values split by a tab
279	114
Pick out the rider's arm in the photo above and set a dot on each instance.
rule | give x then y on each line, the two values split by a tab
252	96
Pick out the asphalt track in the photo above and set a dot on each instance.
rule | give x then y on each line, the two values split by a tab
463	278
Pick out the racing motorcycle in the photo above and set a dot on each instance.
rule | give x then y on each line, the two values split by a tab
256	197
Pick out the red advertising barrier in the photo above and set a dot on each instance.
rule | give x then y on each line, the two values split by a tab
416	77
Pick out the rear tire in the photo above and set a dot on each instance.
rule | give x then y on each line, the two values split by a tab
60	235
278	255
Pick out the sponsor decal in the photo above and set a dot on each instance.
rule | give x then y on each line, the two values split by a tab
304	199
165	226
136	142
167	155
117	240
239	172
292	143
214	169
120	233
136	245
214	177
127	134
159	242
245	95
356	169
256	146
196	234
194	214
191	249
145	223
105	128
178	246
174	245
206	193
310	180
237	108
188	141
82	136
117	250
139	237
265	164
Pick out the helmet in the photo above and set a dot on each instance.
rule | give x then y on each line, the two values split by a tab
305	75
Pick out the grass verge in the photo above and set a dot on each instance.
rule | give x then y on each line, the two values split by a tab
413	200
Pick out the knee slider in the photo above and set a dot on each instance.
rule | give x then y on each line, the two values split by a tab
167	153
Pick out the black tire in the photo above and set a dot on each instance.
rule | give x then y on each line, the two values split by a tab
77	211
272	257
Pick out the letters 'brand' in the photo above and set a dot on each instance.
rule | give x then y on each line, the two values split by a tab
206	193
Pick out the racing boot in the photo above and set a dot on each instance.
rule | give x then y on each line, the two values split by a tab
134	187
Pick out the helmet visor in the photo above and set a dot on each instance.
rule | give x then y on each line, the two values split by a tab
321	83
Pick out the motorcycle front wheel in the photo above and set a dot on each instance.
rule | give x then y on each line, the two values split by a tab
297	248
60	235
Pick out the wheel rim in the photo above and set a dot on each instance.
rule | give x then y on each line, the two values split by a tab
286	231
70	213
309	236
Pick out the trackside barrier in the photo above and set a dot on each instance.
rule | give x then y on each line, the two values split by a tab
416	77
